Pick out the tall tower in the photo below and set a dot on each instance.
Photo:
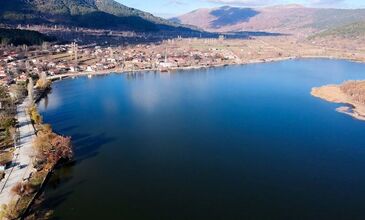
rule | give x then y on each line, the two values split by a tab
166	55
111	53
75	52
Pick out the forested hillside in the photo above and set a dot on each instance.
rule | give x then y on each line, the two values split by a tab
20	37
100	14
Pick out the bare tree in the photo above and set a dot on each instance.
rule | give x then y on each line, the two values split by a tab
31	91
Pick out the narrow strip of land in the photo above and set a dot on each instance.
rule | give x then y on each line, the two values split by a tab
350	93
21	167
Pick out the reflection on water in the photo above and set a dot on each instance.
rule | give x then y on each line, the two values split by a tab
242	142
45	101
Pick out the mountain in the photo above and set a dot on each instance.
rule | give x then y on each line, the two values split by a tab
350	36
349	31
99	14
282	19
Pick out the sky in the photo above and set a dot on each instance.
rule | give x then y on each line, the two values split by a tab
170	8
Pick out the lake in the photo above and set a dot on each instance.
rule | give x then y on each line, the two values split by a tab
238	142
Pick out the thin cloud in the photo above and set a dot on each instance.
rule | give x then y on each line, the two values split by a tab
325	2
175	2
321	3
244	2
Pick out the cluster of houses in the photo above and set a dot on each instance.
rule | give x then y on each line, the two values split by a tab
16	63
171	54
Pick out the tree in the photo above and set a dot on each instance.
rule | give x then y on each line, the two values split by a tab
31	91
62	146
34	115
51	148
43	82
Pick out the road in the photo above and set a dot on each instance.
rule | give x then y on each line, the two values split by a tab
21	167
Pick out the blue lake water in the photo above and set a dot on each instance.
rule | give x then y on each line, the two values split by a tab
239	142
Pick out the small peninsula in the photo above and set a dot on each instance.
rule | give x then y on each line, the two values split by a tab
351	93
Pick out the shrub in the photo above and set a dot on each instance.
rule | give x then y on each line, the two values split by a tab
17	189
10	211
51	148
62	146
7	121
6	157
23	189
44	129
37	178
34	115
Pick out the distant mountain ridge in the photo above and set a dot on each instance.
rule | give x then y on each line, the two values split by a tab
350	31
107	14
283	19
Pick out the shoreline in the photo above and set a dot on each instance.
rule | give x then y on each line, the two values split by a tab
334	94
253	61
23	164
23	169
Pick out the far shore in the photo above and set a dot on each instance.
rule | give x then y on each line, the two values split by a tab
254	61
121	70
333	93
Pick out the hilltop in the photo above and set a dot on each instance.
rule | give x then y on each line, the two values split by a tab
292	19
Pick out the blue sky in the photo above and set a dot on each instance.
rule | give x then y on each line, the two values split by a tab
169	8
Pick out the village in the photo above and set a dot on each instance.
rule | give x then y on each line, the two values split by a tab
17	63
